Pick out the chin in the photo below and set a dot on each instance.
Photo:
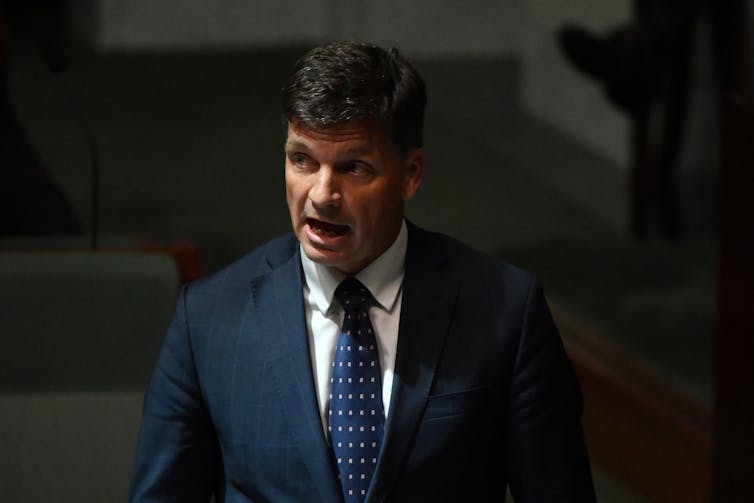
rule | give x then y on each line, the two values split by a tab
324	257
332	260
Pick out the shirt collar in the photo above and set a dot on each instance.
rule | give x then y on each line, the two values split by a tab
383	277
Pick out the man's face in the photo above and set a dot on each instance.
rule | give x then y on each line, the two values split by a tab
346	187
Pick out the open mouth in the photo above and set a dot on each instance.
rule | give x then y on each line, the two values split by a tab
326	229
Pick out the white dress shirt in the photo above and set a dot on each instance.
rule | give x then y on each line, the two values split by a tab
384	279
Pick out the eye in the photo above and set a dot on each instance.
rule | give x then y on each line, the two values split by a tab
300	160
358	168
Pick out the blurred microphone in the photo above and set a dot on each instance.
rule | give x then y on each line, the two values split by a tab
54	57
56	62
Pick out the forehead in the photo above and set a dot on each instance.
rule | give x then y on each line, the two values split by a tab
355	134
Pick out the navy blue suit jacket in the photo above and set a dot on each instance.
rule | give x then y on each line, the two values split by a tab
483	395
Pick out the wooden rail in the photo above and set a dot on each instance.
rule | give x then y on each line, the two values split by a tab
640	429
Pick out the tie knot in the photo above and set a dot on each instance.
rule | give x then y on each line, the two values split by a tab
352	294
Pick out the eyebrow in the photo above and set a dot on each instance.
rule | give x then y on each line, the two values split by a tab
360	150
355	151
295	145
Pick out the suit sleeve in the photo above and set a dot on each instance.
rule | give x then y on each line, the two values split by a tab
177	452
548	460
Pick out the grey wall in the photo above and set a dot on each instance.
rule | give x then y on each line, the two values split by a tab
548	79
556	94
420	28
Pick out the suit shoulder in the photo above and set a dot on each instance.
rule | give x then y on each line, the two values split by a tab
258	261
474	265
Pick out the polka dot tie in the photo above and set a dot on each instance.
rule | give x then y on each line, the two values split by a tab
356	417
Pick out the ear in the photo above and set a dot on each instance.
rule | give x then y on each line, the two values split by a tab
414	164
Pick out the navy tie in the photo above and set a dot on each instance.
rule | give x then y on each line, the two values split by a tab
356	417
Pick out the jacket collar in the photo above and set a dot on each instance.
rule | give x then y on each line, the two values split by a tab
278	302
427	306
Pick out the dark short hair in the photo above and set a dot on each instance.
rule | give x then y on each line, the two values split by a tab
344	81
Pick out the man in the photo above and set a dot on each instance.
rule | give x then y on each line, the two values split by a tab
363	358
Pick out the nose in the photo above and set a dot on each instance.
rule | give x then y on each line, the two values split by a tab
325	191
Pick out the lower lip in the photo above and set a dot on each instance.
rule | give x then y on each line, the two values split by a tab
323	239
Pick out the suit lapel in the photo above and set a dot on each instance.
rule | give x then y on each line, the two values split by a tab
278	303
426	311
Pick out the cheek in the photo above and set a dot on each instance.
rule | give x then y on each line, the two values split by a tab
293	191
294	202
382	207
288	194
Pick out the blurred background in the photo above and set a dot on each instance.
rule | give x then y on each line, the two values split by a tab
607	146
